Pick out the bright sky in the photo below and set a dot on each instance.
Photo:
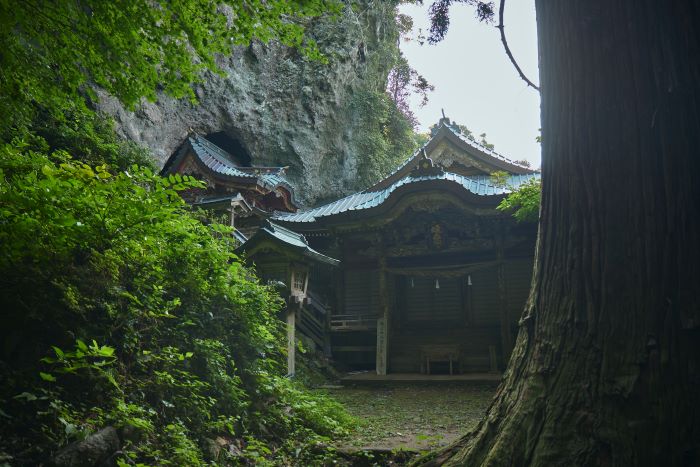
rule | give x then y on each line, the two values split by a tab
475	82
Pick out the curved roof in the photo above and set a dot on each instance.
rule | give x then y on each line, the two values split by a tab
445	131
286	239
221	163
478	185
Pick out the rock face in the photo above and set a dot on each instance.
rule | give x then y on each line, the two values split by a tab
281	108
96	449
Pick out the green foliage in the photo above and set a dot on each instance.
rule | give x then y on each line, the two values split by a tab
54	52
499	178
121	308
383	123
524	203
88	136
404	81
439	14
484	142
384	135
93	358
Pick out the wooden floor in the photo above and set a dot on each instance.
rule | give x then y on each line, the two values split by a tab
371	376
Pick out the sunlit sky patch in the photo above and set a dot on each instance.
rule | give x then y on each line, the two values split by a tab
474	81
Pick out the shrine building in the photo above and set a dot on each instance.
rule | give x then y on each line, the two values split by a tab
419	273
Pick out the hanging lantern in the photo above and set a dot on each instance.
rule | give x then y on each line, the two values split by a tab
437	284
469	279
412	284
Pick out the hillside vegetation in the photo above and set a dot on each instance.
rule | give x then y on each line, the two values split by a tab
122	309
131	334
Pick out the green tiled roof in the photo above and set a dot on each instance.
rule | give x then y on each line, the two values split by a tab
445	131
220	162
481	185
288	239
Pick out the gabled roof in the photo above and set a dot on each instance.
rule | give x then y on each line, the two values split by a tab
286	239
446	132
222	164
478	185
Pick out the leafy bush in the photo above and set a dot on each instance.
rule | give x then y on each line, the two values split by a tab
55	52
121	308
524	203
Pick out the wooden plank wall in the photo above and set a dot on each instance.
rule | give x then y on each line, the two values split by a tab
485	301
484	289
361	292
474	338
425	302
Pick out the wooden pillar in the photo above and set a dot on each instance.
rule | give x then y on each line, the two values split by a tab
291	340
382	319
339	281
327	346
506	335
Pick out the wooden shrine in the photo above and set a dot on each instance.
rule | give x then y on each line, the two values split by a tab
432	277
284	258
246	195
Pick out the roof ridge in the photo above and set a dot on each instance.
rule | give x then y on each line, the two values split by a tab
276	227
217	154
482	147
211	146
295	239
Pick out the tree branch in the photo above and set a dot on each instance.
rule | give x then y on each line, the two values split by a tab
501	28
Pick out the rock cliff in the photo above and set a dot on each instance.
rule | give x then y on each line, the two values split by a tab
278	108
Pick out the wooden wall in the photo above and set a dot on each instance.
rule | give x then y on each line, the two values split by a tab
361	292
429	316
424	315
426	303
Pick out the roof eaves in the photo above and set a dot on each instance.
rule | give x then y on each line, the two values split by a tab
485	151
295	240
478	185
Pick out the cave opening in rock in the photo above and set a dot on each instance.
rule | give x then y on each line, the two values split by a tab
233	146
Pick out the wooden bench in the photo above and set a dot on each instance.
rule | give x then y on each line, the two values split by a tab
438	353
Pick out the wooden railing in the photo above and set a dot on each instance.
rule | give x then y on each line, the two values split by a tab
312	327
353	322
313	318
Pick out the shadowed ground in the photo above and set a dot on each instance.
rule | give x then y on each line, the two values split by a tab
417	416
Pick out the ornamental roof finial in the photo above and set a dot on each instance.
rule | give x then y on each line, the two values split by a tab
444	120
426	167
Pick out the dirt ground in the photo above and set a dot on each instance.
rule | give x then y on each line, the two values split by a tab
417	417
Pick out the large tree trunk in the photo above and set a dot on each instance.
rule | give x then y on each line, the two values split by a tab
606	367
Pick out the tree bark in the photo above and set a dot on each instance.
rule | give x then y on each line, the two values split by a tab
606	367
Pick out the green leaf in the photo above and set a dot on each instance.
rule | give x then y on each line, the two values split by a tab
47	376
106	351
27	396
